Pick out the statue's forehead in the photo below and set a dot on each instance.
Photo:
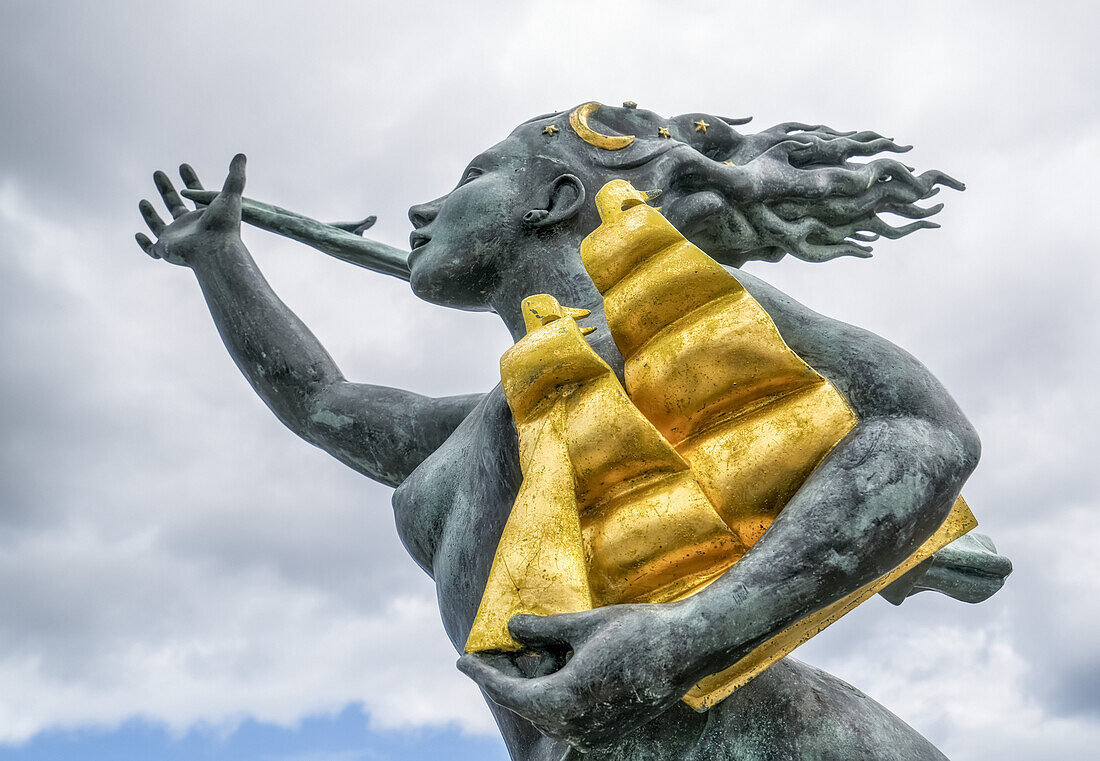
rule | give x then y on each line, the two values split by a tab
512	148
527	142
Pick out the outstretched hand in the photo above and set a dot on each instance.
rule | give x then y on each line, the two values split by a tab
628	666
193	233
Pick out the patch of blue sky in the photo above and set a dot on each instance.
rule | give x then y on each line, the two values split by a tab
346	736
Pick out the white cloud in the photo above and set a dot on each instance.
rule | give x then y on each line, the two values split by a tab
123	628
966	688
169	551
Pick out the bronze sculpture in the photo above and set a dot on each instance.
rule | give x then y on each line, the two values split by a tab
609	681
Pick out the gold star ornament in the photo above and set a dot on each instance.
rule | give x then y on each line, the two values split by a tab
701	126
663	132
550	129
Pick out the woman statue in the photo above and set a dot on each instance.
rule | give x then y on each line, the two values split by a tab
610	682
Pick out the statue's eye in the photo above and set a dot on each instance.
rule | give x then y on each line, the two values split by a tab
471	173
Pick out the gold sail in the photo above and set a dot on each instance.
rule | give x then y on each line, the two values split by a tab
540	565
706	364
608	512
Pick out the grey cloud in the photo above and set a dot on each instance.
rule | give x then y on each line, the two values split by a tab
154	516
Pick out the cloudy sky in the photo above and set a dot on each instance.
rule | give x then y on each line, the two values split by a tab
180	577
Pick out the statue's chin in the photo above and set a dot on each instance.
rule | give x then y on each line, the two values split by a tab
436	286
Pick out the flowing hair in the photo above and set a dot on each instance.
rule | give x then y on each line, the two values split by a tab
792	189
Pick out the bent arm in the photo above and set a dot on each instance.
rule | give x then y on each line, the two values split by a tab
871	503
383	433
874	500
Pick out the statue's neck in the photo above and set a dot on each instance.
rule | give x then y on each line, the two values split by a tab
556	269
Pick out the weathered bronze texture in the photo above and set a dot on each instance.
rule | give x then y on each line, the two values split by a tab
710	690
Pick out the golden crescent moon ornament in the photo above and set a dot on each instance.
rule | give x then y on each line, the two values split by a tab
578	120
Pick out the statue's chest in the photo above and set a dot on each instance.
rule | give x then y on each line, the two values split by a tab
451	510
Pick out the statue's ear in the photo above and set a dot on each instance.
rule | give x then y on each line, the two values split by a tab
565	197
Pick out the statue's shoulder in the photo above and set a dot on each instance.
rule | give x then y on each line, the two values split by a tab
878	377
785	310
822	341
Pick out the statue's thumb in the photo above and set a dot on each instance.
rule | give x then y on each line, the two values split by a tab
225	209
536	631
234	182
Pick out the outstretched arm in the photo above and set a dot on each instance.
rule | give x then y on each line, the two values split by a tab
381	432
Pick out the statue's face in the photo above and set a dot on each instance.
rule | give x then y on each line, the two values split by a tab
465	240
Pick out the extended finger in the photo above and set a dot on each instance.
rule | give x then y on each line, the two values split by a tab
146	244
190	177
171	198
149	214
509	691
356	228
366	224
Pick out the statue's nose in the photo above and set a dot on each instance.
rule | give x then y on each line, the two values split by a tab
423	213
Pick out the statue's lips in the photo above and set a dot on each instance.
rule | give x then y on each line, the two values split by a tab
417	240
